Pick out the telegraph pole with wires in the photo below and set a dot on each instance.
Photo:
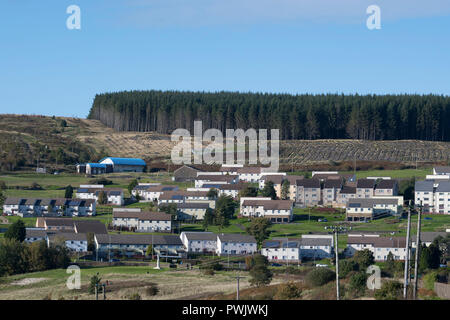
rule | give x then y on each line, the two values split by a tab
237	288
416	264
407	249
337	262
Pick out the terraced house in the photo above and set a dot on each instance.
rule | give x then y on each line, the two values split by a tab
151	191
199	242
113	195
308	192
278	211
371	208
379	246
140	221
433	195
235	244
29	207
215	179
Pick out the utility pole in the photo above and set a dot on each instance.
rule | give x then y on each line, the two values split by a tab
237	291
406	278
416	264
337	263
287	250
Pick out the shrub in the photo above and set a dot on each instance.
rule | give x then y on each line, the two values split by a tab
320	276
390	290
95	280
357	283
152	290
134	296
288	291
209	272
346	266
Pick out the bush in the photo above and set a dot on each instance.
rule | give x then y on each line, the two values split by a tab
152	290
288	291
346	266
103	181
358	283
320	276
390	290
134	296
95	280
209	272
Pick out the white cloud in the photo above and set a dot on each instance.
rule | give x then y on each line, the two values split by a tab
164	13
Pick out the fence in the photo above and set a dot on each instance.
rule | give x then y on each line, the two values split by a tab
442	290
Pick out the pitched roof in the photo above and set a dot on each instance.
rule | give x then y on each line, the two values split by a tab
309	183
90	226
269	204
348	190
281	243
369	202
379	242
275	178
442	169
316	242
429	236
156	188
365	183
192	205
386	184
173	195
35	233
426	185
68	236
236	237
245	170
12	201
138	239
216	177
59	222
332	183
208	236
443	186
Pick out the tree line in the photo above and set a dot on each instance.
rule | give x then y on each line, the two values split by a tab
306	116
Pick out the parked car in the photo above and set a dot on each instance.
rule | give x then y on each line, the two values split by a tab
276	265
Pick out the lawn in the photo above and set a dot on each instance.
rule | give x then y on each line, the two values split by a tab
395	174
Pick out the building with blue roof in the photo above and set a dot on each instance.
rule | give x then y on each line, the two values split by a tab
124	164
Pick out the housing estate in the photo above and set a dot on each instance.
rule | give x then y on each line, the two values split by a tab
433	195
151	191
278	211
29	207
140	221
113	196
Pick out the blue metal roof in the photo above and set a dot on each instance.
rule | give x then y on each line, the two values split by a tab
96	165
126	161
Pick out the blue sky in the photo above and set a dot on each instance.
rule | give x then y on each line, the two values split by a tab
302	46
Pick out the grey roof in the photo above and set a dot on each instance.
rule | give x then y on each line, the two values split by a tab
143	215
365	183
280	243
386	184
444	186
426	185
12	201
348	190
429	236
236	237
332	183
57	222
90	226
369	202
379	242
442	169
201	236
68	236
35	233
316	242
138	239
308	183
192	205
269	204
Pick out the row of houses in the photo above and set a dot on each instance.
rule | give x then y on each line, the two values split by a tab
29	207
134	219
433	195
113	196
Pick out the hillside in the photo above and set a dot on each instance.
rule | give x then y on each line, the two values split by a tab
23	139
298	117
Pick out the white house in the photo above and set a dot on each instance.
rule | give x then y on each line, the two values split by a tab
235	244
433	195
192	210
199	242
379	246
142	221
371	208
151	192
278	211
35	234
182	196
282	250
29	207
74	241
441	170
215	179
114	195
